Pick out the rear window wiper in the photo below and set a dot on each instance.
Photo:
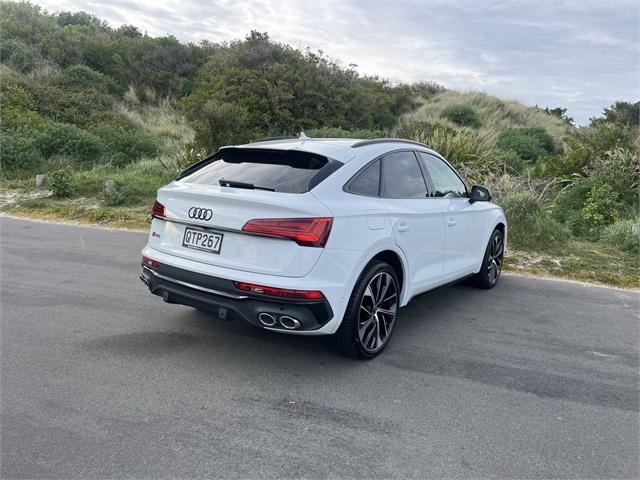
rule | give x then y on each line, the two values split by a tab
249	186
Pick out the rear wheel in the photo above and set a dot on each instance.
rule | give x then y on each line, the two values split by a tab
491	268
371	314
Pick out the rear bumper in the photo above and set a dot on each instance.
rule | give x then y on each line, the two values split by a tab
207	292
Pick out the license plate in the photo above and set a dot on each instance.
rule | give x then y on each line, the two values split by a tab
199	240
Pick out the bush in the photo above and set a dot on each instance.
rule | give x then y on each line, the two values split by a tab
529	143
530	224
17	54
69	140
17	106
81	77
621	236
60	183
460	114
19	152
601	208
126	145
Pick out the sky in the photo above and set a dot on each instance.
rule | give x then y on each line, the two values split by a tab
579	54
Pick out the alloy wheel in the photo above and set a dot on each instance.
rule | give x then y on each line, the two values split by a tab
377	312
496	255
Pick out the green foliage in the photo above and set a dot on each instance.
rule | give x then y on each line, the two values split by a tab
19	152
270	89
60	183
530	143
17	106
125	145
81	77
620	235
607	192
462	115
332	132
602	207
65	139
621	114
17	54
530	224
561	113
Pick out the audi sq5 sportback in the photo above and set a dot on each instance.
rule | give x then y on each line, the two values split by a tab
320	236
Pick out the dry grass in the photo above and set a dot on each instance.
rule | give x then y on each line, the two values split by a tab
495	114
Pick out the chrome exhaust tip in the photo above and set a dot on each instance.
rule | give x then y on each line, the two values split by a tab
266	319
289	323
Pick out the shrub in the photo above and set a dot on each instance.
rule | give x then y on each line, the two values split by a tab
126	145
332	132
65	139
461	114
81	77
19	151
620	235
17	106
17	54
530	224
60	183
529	143
601	208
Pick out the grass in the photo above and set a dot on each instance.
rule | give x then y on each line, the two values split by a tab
580	260
495	114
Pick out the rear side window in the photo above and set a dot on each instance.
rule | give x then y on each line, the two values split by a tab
283	171
402	176
367	182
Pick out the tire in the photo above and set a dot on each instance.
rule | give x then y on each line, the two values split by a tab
489	273
371	314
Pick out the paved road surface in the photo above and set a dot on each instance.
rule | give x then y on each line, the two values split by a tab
100	379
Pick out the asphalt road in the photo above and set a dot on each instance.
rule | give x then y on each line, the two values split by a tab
100	379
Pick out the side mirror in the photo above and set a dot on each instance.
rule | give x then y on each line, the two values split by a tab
479	194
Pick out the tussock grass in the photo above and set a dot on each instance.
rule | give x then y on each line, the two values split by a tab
163	120
494	113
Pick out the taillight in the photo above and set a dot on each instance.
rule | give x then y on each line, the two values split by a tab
150	261
308	232
158	210
279	292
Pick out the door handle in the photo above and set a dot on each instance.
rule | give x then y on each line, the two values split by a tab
403	227
451	222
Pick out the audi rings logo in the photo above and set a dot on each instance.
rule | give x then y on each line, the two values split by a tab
198	213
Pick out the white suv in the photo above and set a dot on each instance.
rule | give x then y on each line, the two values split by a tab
320	236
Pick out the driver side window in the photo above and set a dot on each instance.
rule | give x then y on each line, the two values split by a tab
446	182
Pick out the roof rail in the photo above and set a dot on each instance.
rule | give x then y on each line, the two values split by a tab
373	141
272	139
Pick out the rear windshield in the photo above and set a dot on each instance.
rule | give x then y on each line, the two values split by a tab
278	170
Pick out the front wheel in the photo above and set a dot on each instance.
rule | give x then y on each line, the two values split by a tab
491	268
371	314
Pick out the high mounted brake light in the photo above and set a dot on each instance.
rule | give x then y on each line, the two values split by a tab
308	232
158	210
279	292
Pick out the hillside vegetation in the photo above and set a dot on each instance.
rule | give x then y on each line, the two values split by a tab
84	103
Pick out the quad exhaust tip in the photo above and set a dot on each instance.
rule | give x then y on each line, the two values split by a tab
285	321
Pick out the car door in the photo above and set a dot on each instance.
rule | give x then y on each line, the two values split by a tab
465	228
416	218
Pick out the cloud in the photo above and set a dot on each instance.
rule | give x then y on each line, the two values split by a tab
579	54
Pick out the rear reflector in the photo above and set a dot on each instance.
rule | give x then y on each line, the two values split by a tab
158	210
308	232
279	292
150	262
